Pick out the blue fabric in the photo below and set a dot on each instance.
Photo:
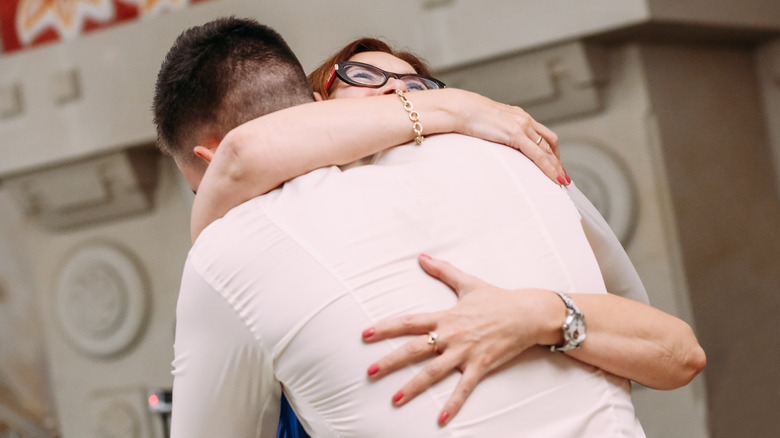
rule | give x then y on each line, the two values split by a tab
289	426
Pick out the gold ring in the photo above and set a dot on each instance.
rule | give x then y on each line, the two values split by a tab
433	339
539	140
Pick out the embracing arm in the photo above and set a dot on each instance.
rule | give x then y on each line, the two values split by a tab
637	341
257	156
490	326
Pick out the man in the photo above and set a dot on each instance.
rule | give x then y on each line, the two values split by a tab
273	294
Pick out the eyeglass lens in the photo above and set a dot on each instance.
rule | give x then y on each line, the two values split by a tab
370	76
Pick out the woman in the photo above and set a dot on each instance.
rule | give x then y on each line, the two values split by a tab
473	339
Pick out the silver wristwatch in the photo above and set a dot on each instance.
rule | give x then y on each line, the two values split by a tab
573	326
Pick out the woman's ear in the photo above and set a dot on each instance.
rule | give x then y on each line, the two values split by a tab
204	153
317	97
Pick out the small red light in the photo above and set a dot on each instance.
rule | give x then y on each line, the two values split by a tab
154	400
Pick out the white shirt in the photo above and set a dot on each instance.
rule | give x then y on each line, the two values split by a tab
277	293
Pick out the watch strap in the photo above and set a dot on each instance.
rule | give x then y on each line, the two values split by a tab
573	313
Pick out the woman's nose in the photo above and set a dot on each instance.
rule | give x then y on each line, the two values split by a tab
392	85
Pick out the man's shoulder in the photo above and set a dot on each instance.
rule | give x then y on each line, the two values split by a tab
255	224
255	211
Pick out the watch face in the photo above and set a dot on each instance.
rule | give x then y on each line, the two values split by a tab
575	330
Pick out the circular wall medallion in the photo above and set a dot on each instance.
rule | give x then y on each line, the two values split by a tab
118	420
100	300
606	182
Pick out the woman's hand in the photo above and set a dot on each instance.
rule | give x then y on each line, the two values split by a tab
490	326
482	332
511	126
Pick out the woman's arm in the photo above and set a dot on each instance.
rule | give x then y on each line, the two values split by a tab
490	326
257	156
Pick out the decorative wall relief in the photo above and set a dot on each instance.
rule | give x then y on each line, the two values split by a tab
11	103
94	189
120	413
26	23
604	179
101	300
118	420
553	83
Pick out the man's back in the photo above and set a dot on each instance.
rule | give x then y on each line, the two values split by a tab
278	292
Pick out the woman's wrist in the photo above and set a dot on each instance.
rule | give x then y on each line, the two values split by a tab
454	105
552	313
441	111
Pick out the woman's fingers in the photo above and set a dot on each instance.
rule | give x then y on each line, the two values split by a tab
466	384
544	158
460	282
410	352
431	373
405	325
540	144
512	126
434	371
550	138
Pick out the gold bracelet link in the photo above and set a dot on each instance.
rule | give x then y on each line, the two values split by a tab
414	116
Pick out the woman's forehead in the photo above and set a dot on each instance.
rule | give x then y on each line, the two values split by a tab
385	61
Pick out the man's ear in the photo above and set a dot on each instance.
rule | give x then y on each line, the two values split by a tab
207	149
204	153
318	97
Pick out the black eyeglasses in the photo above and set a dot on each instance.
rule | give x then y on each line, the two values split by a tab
366	75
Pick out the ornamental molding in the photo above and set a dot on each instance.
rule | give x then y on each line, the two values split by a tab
605	180
101	300
94	189
556	82
120	413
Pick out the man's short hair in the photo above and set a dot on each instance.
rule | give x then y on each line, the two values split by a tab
220	75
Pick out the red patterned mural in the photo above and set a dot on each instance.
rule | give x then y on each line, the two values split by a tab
27	23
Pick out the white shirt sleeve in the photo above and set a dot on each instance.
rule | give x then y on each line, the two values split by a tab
223	382
619	273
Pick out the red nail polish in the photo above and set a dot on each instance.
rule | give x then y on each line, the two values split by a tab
425	256
367	333
398	396
568	180
373	369
443	417
561	180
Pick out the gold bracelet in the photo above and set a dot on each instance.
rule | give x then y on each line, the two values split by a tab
414	116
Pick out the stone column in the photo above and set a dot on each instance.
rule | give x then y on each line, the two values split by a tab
714	141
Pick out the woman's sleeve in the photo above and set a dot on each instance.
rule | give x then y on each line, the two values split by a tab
618	272
223	383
